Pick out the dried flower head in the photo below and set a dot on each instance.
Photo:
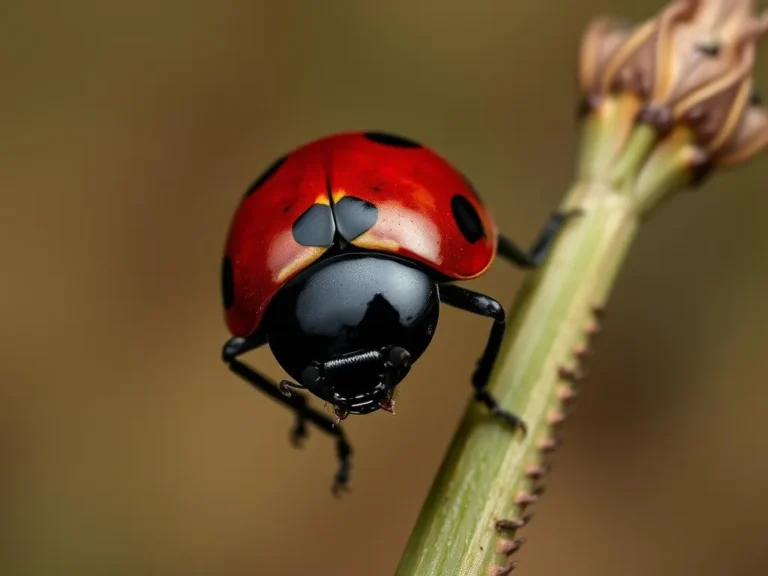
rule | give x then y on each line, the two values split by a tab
689	66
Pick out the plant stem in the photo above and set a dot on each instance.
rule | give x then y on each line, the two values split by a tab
485	466
652	126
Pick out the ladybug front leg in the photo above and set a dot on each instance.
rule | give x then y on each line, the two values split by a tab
484	306
534	257
304	413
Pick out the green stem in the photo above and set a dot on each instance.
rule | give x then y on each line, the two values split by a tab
637	149
486	463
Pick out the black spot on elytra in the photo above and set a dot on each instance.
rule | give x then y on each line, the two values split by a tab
287	208
227	283
391	140
376	188
266	175
354	216
467	219
315	227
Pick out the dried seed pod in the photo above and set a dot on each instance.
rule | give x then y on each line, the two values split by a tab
691	66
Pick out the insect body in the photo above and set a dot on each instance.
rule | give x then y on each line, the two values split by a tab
338	258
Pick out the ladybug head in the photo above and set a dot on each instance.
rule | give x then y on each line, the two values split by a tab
349	328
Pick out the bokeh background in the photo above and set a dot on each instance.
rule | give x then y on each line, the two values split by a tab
128	133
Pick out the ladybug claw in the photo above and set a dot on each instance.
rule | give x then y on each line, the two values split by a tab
298	434
341	414
341	479
339	487
387	405
285	387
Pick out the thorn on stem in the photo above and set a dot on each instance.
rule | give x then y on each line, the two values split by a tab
537	472
566	393
581	351
593	328
549	444
502	570
525	499
570	374
510	525
509	547
555	418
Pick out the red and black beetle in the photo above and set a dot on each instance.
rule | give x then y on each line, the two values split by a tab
338	258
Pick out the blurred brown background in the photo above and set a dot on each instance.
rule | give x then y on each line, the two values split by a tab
129	131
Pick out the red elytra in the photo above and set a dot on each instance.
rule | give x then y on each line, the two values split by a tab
425	210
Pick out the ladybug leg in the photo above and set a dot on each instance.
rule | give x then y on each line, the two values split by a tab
296	402
299	432
484	306
534	257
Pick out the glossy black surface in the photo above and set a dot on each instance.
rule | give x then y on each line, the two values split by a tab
349	304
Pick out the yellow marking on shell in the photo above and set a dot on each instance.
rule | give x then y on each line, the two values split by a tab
323	199
369	240
338	194
308	256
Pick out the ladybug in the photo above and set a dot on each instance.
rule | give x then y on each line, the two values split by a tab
338	258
